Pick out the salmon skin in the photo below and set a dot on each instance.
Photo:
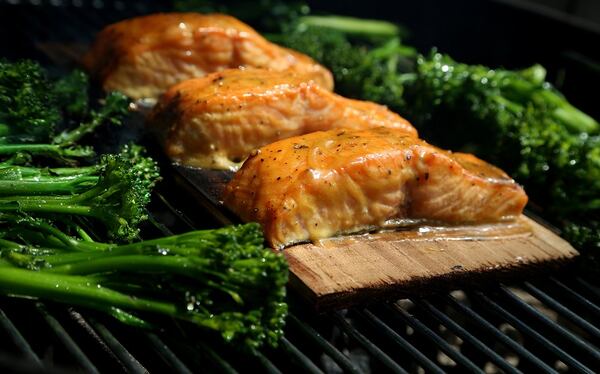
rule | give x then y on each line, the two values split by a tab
327	183
216	121
143	56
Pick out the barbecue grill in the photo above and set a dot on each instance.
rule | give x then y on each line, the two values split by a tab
550	323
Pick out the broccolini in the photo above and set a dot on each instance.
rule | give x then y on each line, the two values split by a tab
28	113
37	114
222	280
514	119
518	121
117	196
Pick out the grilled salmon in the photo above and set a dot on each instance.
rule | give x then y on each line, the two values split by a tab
322	184
216	121
144	56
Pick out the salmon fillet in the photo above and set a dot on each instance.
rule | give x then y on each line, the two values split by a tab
326	183
216	121
143	56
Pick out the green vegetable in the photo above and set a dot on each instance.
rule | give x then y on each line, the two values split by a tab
30	180
62	147
117	196
331	48
514	119
223	280
71	93
360	67
33	108
27	106
521	123
358	27
113	110
64	154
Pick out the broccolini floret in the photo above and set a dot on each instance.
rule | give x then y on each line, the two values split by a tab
28	113
37	114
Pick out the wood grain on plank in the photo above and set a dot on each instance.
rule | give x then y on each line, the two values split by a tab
343	272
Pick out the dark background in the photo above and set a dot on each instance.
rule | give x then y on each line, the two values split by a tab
562	35
512	34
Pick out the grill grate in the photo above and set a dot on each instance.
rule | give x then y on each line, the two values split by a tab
546	325
398	337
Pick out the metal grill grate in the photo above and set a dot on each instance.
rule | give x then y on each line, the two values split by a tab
545	325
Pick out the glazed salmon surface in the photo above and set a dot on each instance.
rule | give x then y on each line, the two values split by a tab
216	121
327	183
143	56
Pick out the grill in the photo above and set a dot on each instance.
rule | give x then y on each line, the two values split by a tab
547	324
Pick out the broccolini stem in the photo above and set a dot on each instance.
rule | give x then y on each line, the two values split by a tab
88	251
8	149
48	230
350	25
42	205
194	268
50	150
60	258
83	234
390	50
94	192
174	265
507	104
69	138
57	198
11	245
576	120
73	290
47	149
84	291
21	172
69	185
84	170
39	238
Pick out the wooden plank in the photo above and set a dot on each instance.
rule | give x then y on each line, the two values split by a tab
343	272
